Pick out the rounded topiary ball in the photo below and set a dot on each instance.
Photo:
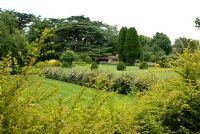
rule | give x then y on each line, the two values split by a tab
94	66
121	66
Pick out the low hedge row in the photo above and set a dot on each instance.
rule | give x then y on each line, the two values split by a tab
122	84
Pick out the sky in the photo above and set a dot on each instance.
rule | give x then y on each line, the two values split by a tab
172	17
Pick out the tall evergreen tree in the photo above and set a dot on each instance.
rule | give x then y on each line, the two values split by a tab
120	44
132	47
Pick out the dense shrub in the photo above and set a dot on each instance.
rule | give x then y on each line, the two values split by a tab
68	56
143	65
122	84
121	66
28	107
53	63
172	106
88	59
94	66
48	63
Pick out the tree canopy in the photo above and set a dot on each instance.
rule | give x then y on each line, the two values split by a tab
161	40
132	47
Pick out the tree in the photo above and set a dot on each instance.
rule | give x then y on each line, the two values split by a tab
197	22
147	49
13	42
162	41
45	45
111	34
120	44
80	34
132	47
145	41
37	27
181	43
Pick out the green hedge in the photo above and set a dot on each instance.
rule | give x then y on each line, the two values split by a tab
122	84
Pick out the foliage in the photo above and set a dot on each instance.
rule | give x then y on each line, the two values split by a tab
122	84
94	66
161	40
100	80
153	58
13	42
47	46
132	48
121	66
39	64
88	59
27	108
68	57
53	63
197	22
143	65
172	106
190	70
120	43
36	28
182	43
80	34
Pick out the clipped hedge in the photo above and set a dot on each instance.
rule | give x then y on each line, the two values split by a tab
122	84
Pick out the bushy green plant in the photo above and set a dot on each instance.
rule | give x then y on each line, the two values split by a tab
172	106
94	66
68	56
53	63
153	58
100	80
122	85
121	66
88	59
189	66
66	64
40	64
143	65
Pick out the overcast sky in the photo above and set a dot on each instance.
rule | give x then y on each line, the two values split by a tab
172	17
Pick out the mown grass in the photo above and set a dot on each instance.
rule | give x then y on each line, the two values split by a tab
161	73
70	92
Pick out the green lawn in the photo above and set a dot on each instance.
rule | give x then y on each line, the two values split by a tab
70	92
161	73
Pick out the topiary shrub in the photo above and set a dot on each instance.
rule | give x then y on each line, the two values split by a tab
68	56
143	65
88	59
121	66
94	66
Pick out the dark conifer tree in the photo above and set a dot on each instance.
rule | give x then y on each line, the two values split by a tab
120	44
132	47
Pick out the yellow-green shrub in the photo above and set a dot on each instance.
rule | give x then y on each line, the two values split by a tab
53	63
